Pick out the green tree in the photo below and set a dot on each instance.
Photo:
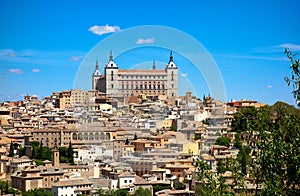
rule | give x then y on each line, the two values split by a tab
221	169
37	192
197	136
63	154
244	119
223	141
294	80
244	158
100	192
179	186
7	189
279	149
276	148
35	147
237	141
142	192
11	149
70	154
40	151
38	162
46	153
120	192
157	188
22	151
135	137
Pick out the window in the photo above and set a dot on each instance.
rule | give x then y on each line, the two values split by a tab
112	86
112	75
125	181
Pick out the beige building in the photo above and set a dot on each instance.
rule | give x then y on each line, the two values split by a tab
69	98
154	82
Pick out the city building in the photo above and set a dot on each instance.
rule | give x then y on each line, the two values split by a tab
154	82
72	187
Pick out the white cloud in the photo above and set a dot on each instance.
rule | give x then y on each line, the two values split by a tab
293	47
145	41
101	30
269	86
36	70
7	52
76	58
184	74
257	57
16	71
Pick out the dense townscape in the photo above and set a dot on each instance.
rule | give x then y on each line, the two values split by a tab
148	141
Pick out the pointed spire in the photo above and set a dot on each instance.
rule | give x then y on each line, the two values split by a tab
97	67
111	56
153	66
171	57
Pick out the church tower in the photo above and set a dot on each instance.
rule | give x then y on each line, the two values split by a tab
172	78
111	76
95	77
55	157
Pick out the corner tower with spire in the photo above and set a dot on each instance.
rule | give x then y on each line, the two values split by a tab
172	77
111	76
96	76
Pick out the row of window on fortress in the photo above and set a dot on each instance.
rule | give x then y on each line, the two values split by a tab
143	76
143	87
172	79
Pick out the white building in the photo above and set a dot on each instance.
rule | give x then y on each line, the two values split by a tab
91	153
72	187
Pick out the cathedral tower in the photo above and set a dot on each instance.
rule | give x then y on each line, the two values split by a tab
111	76
172	78
95	77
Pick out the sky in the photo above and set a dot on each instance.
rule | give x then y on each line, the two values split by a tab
43	44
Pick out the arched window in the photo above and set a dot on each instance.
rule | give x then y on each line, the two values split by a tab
86	137
74	136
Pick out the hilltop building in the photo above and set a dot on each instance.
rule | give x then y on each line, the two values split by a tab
152	82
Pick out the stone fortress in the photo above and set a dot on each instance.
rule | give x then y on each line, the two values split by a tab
152	82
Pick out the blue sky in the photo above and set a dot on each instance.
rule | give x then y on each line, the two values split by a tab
43	43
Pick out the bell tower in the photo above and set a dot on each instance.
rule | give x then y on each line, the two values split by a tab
172	78
111	76
95	77
55	157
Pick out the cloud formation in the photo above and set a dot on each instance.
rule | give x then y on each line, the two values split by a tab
293	47
101	30
36	70
184	74
16	71
7	52
269	86
145	41
76	58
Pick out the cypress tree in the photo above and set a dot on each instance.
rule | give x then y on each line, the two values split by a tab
70	154
11	149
